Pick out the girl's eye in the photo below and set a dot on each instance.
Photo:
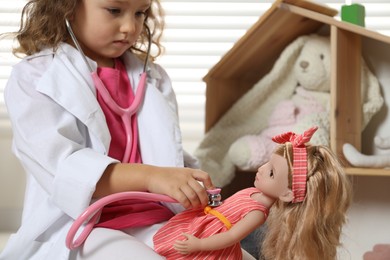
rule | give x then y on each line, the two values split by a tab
271	174
141	14
114	11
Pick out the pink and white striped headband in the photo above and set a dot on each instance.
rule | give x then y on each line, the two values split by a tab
299	174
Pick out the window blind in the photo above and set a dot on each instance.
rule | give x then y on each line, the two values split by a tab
197	34
9	21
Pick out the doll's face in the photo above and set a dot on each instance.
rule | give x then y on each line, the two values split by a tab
272	177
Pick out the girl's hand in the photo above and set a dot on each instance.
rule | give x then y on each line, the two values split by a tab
191	244
181	184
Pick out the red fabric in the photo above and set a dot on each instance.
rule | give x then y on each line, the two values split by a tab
299	174
202	225
133	213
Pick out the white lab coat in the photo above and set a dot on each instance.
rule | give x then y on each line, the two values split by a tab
62	139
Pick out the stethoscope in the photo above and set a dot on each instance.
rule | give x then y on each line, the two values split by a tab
124	113
91	215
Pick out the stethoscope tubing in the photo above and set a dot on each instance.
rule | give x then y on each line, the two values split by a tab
124	113
138	98
91	215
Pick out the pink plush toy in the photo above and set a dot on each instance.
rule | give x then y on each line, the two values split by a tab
307	106
302	107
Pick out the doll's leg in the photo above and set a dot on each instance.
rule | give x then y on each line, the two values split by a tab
105	243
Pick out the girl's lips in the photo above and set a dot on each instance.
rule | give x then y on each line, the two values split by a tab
122	41
121	44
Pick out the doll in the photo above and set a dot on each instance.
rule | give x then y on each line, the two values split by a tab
311	194
310	229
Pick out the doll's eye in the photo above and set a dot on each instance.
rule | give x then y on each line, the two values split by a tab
271	174
322	56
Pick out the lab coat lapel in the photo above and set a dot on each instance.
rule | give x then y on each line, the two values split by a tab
68	82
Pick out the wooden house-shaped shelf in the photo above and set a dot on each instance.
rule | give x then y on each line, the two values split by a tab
254	54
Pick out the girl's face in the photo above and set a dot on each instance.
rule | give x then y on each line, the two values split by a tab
105	29
272	177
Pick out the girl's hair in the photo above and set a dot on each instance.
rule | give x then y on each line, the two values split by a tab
310	229
43	25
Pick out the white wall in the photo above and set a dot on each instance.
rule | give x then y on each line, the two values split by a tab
368	217
12	181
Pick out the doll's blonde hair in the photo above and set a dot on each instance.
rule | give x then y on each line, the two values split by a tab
310	230
43	25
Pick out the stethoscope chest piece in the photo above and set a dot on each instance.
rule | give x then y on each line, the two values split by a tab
215	198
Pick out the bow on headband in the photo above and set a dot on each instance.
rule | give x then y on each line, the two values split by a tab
299	174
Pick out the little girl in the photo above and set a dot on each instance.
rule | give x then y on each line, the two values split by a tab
310	193
84	63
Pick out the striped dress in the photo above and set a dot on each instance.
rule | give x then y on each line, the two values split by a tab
202	225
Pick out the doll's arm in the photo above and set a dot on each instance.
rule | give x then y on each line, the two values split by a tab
222	240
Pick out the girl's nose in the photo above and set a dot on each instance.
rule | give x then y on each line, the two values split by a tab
128	25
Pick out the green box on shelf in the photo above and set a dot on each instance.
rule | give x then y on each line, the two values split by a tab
354	13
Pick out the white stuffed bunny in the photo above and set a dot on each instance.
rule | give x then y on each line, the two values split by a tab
291	79
308	106
356	158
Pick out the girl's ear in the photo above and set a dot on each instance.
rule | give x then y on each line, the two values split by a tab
288	196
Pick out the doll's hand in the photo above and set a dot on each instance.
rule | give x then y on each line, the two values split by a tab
191	244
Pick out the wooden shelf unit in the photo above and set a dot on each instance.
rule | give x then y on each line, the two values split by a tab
367	171
247	62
